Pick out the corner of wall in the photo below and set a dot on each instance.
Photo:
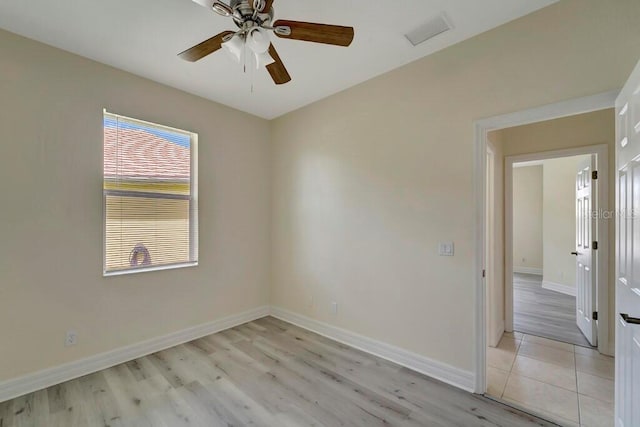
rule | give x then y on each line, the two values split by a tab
271	278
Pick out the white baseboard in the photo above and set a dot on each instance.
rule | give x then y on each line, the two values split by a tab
558	287
45	378
441	371
528	270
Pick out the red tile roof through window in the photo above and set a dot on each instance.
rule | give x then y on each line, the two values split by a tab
143	155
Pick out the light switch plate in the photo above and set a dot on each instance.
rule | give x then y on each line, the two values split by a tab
445	248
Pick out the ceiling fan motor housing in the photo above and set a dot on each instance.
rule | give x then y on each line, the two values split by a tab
243	14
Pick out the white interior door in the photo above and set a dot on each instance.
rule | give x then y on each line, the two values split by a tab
628	256
586	278
493	323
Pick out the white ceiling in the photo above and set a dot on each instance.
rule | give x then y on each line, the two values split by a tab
144	36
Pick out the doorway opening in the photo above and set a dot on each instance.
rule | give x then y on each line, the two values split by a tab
553	284
547	364
522	352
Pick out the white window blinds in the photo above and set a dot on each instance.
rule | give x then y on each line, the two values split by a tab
150	196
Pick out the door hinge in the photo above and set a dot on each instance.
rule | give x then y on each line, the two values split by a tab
484	273
595	315
595	245
594	174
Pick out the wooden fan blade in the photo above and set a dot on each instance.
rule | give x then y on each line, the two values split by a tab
317	33
205	48
278	72
265	9
267	6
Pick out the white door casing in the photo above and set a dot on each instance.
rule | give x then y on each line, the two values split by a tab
566	108
627	376
586	278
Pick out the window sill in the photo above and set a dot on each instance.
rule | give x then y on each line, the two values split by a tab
147	269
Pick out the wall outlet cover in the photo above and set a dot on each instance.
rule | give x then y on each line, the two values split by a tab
71	338
445	249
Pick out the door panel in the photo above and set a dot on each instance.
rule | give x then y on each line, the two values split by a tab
585	271
627	412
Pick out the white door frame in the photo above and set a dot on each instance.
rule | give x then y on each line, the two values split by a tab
482	128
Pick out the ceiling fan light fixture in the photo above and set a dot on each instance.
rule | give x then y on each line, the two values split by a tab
258	40
221	9
234	47
263	59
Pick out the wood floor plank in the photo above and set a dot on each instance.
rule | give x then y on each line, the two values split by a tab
31	410
165	406
56	398
247	401
207	406
6	413
127	396
77	411
202	345
290	388
544	313
359	400
263	373
335	408
142	368
170	365
96	390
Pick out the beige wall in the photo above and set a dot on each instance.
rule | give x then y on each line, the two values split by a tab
368	181
570	132
559	220
527	218
51	217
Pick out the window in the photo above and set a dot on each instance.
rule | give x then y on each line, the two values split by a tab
150	196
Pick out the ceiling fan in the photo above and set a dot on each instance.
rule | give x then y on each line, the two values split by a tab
254	18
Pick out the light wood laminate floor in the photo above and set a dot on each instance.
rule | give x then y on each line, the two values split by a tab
545	313
263	373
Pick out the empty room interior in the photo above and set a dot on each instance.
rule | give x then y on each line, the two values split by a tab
298	213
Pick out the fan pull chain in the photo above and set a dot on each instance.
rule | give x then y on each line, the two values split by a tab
253	70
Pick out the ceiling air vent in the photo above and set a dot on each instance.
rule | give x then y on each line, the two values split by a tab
428	30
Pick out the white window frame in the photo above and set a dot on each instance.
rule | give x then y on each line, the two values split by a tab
193	206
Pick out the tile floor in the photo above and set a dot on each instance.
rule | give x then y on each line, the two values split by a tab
568	384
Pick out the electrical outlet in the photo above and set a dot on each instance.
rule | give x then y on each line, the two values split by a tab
334	307
71	338
311	302
445	249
